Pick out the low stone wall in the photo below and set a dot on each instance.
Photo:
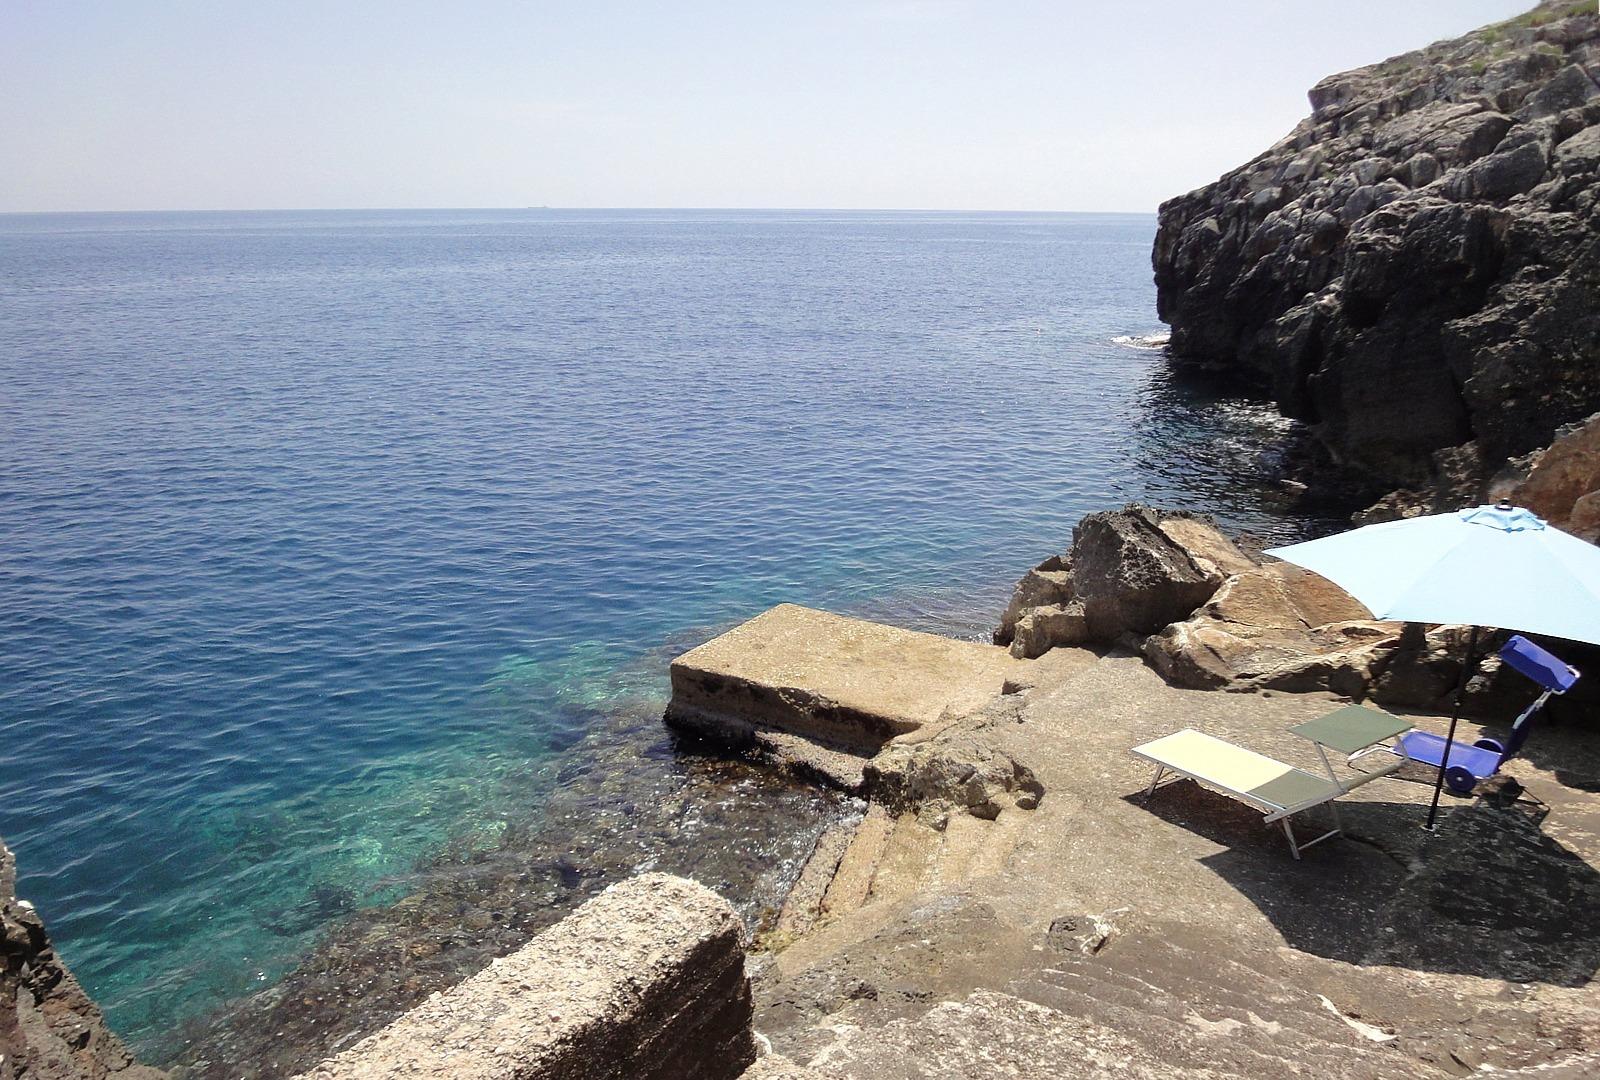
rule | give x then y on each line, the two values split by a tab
48	1026
644	982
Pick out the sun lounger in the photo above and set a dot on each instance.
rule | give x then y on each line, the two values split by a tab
1279	791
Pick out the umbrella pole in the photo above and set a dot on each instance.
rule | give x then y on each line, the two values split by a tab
1455	715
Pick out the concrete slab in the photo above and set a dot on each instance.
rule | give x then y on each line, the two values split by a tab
834	679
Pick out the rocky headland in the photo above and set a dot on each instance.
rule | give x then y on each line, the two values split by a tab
1412	271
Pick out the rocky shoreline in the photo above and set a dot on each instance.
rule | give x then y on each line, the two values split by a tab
48	1025
939	928
917	931
1411	271
1410	274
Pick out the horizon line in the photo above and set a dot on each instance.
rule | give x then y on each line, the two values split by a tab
569	209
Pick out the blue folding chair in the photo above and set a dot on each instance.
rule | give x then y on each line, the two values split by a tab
1481	760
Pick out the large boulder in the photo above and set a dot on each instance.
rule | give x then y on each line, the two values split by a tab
1274	627
958	770
1129	573
1278	627
1562	483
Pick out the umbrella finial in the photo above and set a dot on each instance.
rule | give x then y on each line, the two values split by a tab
1503	516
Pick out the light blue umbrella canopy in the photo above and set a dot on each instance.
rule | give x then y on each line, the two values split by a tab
1495	566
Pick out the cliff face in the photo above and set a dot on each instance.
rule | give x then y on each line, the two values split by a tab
48	1025
1415	270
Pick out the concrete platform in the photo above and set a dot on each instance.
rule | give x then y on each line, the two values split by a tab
1177	929
841	682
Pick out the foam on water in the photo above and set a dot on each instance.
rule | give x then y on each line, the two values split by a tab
1157	340
324	537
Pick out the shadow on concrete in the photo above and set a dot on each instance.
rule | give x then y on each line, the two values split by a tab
1570	750
1489	895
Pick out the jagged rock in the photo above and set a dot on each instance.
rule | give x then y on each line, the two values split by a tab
1042	628
1130	572
1404	310
48	1026
1343	659
1423	668
960	769
1046	585
1278	627
1395	506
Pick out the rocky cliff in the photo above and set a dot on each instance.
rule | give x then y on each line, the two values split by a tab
48	1027
1413	271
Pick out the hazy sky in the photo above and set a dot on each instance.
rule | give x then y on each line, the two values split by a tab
145	104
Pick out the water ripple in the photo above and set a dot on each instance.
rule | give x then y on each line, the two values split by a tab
320	534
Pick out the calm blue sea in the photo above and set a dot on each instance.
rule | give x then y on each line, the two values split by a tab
316	529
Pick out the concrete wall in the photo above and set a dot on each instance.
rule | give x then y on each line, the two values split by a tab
644	982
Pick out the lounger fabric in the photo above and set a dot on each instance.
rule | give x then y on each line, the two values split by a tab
1544	668
1428	748
1234	769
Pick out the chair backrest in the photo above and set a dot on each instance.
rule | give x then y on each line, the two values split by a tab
1524	725
1540	665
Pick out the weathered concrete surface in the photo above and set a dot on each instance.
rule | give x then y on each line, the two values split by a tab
837	681
49	1029
1176	934
645	982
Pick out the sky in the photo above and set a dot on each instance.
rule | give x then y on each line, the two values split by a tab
878	104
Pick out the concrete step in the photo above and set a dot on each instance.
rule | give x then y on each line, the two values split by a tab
852	883
907	860
803	906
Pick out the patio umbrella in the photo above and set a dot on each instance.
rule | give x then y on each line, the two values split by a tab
1496	566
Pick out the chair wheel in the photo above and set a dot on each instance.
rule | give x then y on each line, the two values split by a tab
1460	780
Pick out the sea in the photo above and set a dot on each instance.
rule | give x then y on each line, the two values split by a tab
338	548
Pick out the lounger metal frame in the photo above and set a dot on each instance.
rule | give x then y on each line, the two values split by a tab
1272	812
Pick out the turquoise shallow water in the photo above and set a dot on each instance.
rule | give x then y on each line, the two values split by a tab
323	534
